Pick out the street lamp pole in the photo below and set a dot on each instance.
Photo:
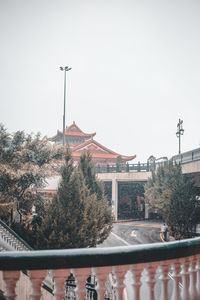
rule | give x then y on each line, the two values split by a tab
179	132
65	69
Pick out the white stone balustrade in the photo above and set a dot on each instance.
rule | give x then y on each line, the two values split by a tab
136	271
9	240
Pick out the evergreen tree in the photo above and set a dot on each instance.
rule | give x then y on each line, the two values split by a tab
174	196
96	187
74	218
87	168
119	164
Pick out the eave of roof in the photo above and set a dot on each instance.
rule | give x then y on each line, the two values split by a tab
104	155
68	131
76	151
74	133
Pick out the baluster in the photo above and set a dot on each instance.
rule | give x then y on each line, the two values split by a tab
198	276
120	272
193	279
60	276
10	278
176	276
151	269
36	278
81	276
164	270
185	279
136	271
101	274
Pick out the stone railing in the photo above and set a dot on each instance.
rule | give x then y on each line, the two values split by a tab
139	167
10	241
158	271
187	157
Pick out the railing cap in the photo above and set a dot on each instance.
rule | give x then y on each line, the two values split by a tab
95	257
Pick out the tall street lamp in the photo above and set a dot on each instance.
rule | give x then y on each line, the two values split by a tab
179	132
65	69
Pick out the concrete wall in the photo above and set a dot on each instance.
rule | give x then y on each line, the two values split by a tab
119	177
135	176
193	167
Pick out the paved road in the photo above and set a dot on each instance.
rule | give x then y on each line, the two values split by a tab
133	233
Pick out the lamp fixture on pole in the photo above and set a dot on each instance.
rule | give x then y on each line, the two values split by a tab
179	132
65	69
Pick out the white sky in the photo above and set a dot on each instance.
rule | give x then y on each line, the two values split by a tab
135	70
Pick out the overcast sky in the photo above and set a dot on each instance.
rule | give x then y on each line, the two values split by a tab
135	70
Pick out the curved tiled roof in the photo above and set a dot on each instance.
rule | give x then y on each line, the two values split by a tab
90	145
74	130
97	151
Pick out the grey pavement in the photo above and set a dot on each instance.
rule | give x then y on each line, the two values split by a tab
133	233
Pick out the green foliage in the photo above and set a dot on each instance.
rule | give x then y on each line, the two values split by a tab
119	164
78	215
29	232
87	168
25	162
108	190
173	196
96	187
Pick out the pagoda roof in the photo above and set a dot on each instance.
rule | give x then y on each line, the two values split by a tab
97	151
74	130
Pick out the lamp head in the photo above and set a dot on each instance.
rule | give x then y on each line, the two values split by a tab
66	68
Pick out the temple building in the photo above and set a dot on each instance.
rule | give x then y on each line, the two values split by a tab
81	142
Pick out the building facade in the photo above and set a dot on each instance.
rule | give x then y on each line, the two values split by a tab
80	142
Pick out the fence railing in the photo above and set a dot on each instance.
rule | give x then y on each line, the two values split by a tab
187	157
139	167
138	272
183	158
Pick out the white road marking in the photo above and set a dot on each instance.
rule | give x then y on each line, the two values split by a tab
133	233
119	238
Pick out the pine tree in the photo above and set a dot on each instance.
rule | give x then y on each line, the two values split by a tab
74	218
95	186
87	167
173	196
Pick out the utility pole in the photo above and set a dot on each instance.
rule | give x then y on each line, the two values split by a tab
65	69
179	132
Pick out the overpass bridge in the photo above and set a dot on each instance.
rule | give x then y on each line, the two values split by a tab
124	185
119	178
117	183
190	162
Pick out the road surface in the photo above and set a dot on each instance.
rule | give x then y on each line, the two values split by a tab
134	233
